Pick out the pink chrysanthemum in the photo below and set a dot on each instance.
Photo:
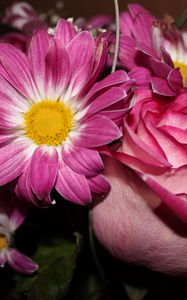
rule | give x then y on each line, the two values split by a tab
52	116
12	215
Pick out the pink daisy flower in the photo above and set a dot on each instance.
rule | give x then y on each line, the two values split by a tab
12	215
52	116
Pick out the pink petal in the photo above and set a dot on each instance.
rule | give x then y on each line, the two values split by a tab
106	99
15	69
99	184
113	79
73	186
37	51
43	171
127	52
23	188
57	63
97	131
176	203
20	262
12	161
65	31
83	44
83	161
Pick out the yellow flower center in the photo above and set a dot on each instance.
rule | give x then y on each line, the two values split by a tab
183	69
48	123
3	241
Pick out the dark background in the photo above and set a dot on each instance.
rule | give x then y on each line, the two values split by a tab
88	8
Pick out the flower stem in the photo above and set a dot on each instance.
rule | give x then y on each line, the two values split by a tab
117	36
179	22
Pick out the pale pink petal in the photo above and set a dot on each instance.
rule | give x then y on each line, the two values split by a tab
65	31
43	171
83	161
73	186
137	147
20	262
176	203
97	131
133	227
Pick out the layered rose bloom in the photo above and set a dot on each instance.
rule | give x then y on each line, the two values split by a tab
153	51
12	214
53	116
145	213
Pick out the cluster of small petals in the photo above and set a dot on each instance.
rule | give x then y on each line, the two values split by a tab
12	214
52	72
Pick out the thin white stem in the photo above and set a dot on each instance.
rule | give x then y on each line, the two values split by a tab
117	36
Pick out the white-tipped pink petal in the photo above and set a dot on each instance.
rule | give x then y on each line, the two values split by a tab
83	161
37	51
97	131
3	258
57	68
73	186
65	31
43	171
13	159
20	262
106	99
14	67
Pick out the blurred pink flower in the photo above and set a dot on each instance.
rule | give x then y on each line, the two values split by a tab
21	15
136	226
153	51
12	215
54	116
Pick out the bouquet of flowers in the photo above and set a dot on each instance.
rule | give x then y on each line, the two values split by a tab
93	128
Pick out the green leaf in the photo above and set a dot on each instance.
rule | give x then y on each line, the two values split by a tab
57	263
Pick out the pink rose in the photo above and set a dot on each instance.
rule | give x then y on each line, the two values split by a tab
136	226
143	218
155	145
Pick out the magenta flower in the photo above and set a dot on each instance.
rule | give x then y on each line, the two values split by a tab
12	215
144	44
52	116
